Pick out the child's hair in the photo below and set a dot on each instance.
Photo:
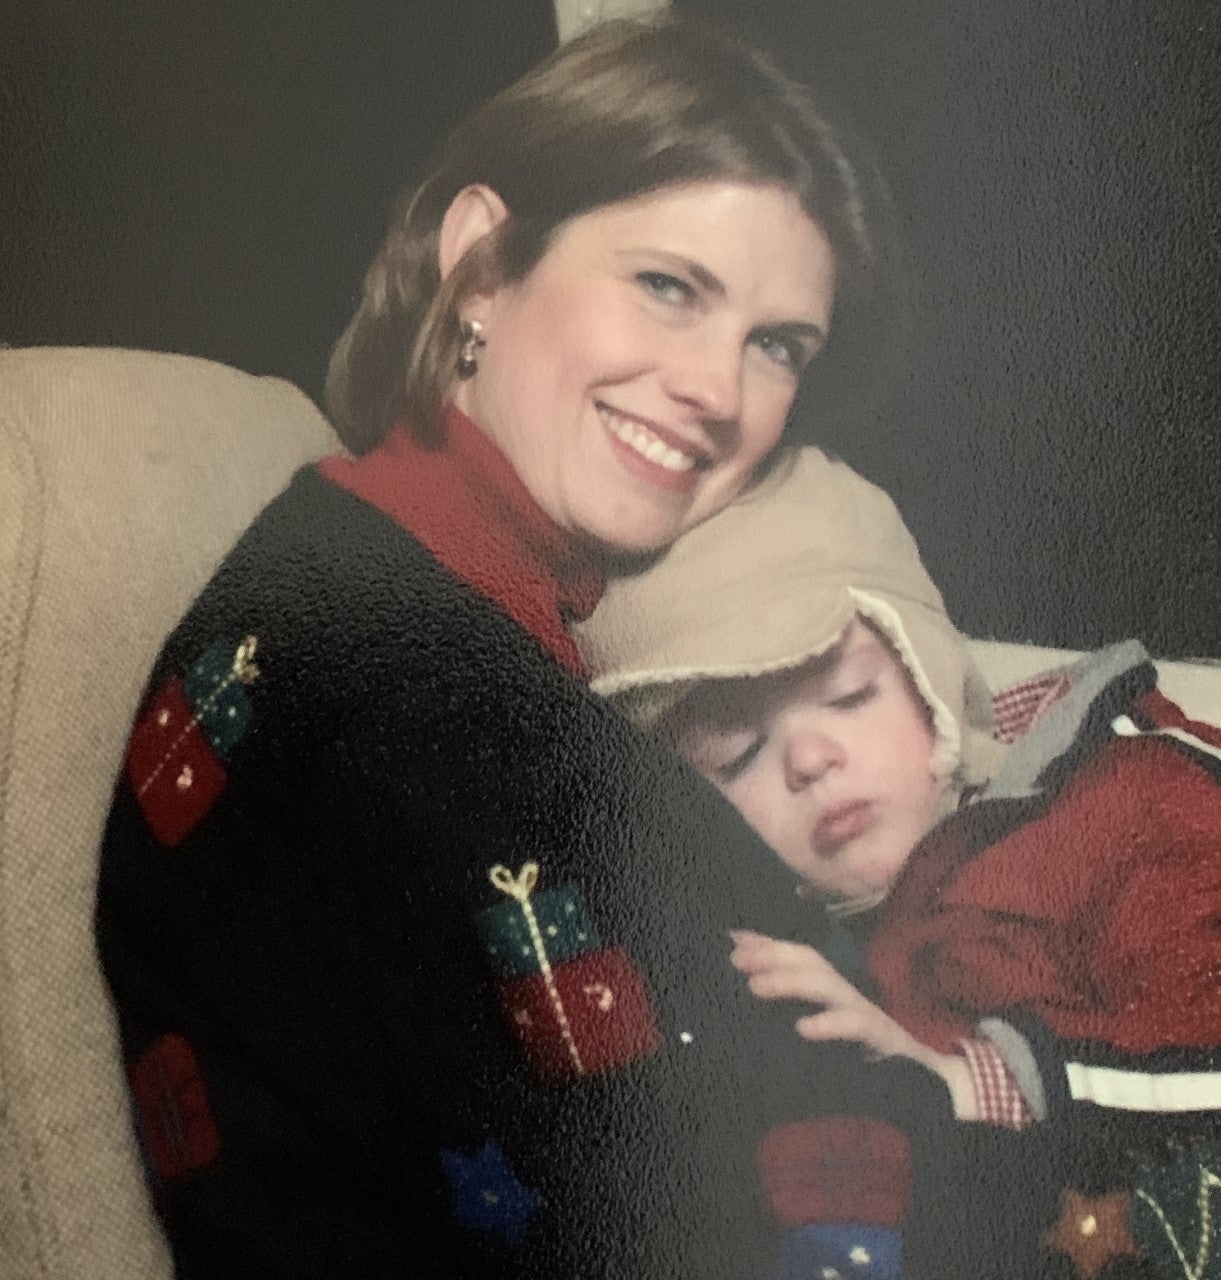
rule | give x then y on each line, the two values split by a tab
626	109
773	581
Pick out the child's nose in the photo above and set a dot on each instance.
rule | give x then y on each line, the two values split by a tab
810	752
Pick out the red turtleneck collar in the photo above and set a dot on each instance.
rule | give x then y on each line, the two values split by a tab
466	504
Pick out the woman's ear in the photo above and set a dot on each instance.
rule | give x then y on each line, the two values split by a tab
472	214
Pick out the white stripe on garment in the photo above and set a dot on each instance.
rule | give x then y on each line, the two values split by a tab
1139	1091
1126	727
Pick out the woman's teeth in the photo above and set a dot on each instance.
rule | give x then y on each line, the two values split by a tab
646	443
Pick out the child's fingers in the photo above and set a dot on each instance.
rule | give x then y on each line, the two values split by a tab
753	951
817	983
865	1024
748	943
839	1023
748	935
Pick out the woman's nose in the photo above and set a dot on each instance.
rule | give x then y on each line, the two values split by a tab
704	372
810	753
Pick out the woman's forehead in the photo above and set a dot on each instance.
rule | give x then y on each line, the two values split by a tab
749	238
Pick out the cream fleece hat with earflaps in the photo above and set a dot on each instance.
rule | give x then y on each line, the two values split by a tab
773	581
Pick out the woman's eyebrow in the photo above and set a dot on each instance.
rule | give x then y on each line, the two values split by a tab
707	280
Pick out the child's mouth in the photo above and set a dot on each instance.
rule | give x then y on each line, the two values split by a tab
841	823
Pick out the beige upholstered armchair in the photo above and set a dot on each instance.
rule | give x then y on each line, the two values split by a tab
124	477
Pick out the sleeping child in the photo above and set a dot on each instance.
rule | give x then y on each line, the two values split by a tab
1043	919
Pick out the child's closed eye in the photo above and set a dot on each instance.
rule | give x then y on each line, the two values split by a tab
740	761
855	698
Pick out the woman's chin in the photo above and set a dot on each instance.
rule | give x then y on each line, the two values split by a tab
630	527
629	551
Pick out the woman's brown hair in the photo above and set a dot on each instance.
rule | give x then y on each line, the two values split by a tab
622	111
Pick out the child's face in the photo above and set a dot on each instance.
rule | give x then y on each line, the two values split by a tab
830	763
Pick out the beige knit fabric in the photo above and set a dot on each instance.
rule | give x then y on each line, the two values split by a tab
124	477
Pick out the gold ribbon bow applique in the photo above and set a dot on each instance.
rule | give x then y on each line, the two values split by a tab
243	668
519	887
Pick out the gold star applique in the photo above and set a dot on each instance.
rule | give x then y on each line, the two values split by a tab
1093	1229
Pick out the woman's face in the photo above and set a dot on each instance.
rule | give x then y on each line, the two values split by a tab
637	377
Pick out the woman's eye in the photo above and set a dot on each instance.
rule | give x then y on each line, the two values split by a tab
857	698
665	286
786	352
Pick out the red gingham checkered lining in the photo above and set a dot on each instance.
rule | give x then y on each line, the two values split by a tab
1016	708
1000	1100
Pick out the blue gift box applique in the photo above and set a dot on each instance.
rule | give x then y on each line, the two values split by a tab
564	926
841	1251
214	684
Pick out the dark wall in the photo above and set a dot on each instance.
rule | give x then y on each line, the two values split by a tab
213	178
1056	444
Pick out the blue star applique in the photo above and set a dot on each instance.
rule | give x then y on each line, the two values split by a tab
487	1194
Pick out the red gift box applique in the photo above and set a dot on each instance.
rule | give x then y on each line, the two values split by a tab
175	1123
175	750
584	1016
172	770
836	1169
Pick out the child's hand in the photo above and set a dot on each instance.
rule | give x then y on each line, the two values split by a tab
791	971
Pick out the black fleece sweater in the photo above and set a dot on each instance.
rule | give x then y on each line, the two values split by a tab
331	1077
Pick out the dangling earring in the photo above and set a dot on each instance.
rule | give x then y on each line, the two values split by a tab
472	340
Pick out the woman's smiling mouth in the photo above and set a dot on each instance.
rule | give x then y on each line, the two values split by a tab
647	442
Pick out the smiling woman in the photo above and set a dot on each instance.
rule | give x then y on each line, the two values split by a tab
418	953
628	111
